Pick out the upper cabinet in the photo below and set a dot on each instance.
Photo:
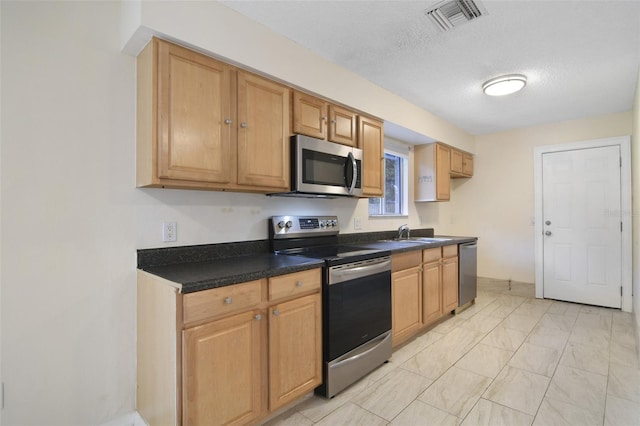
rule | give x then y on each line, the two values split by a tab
320	119
203	124
461	164
431	169
371	141
434	166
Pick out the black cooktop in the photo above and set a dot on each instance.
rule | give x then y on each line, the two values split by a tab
338	254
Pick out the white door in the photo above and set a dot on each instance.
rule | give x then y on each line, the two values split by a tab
581	225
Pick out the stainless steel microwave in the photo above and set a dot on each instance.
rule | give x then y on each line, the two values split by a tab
324	169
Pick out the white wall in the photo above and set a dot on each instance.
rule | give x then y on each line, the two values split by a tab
635	169
498	201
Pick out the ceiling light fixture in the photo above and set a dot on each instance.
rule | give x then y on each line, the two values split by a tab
504	85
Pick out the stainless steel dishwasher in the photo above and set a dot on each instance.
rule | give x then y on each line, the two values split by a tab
468	272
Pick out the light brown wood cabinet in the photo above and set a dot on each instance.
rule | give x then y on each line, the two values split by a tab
371	141
406	295
203	124
424	288
439	282
229	355
295	352
432	172
321	119
222	371
461	164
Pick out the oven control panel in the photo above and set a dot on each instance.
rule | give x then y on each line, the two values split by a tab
302	226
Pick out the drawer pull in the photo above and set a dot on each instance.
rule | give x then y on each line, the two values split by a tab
276	312
228	300
258	317
299	284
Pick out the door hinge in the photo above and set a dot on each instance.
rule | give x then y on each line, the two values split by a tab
620	290
620	226
620	161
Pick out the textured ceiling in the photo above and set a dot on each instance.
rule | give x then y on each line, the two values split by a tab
581	57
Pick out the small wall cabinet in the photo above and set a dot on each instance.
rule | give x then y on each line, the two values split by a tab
321	119
434	166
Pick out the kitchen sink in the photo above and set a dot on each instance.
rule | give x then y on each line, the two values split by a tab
413	240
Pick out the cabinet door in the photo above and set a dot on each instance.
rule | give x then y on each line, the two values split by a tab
449	284
221	371
194	112
467	165
309	116
406	296
456	161
431	292
342	125
371	141
295	349
443	179
263	133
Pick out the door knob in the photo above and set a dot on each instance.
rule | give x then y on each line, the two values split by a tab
547	233
548	222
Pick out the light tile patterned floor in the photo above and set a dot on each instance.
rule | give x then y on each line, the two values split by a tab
510	359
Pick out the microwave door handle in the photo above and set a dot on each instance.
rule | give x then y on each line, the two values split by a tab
354	175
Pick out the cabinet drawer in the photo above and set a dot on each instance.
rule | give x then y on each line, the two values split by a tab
450	251
406	260
208	304
296	283
431	255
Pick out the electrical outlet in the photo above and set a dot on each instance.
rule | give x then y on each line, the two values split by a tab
169	232
356	223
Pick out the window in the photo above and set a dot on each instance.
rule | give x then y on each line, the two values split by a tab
394	202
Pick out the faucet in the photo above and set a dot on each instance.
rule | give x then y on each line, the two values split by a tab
402	229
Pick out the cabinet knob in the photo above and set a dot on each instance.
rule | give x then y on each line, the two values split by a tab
228	300
276	312
324	118
333	121
258	317
547	233
227	121
299	284
243	125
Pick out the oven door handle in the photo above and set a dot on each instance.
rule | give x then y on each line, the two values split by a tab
340	274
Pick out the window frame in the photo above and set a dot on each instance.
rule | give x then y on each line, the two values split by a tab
403	202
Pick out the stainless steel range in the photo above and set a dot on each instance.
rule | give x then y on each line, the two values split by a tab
356	297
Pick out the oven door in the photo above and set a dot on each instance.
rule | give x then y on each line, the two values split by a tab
326	168
358	305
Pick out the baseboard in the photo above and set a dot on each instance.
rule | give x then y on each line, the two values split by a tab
131	419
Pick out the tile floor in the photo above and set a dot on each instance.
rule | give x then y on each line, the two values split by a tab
510	359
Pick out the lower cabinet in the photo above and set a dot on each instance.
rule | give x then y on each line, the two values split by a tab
424	289
295	351
241	351
406	317
222	372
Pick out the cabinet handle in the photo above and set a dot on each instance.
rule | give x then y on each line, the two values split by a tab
333	121
227	121
243	125
228	300
299	284
324	118
276	312
258	317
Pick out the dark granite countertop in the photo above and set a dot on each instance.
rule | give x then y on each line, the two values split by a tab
203	275
197	268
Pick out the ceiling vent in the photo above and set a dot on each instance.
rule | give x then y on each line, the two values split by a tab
449	14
